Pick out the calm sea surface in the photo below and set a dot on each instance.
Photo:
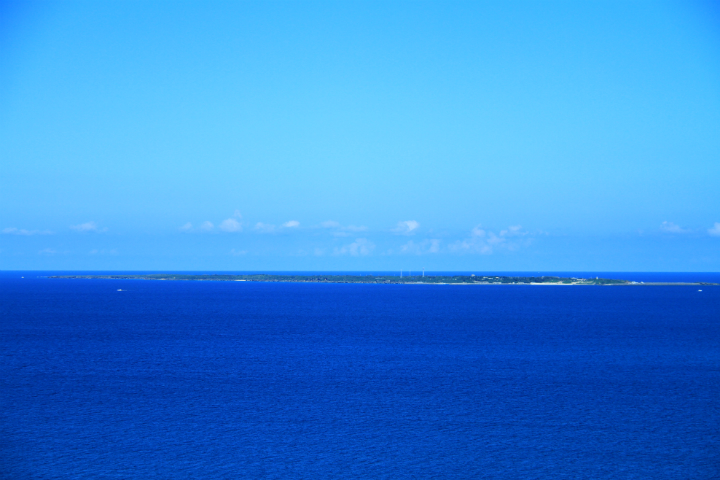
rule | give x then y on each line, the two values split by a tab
221	380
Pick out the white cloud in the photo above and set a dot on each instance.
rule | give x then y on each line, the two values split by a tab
47	251
670	227
265	227
360	246
237	253
473	244
22	231
485	243
715	230
406	227
514	231
421	248
230	225
261	227
477	232
342	231
88	227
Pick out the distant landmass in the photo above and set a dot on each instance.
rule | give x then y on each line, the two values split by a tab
384	279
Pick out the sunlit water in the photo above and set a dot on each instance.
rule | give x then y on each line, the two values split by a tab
266	380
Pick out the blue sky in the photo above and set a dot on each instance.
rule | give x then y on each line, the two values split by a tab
360	136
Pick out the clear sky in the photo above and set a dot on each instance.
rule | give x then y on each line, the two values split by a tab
360	135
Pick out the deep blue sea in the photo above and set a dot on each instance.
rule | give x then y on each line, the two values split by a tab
223	380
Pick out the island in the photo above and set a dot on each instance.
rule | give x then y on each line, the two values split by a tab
382	279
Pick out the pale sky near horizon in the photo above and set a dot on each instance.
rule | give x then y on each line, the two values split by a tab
360	136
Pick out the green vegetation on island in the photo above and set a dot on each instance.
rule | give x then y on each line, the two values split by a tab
382	279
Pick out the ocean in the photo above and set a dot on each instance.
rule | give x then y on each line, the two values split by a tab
220	380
